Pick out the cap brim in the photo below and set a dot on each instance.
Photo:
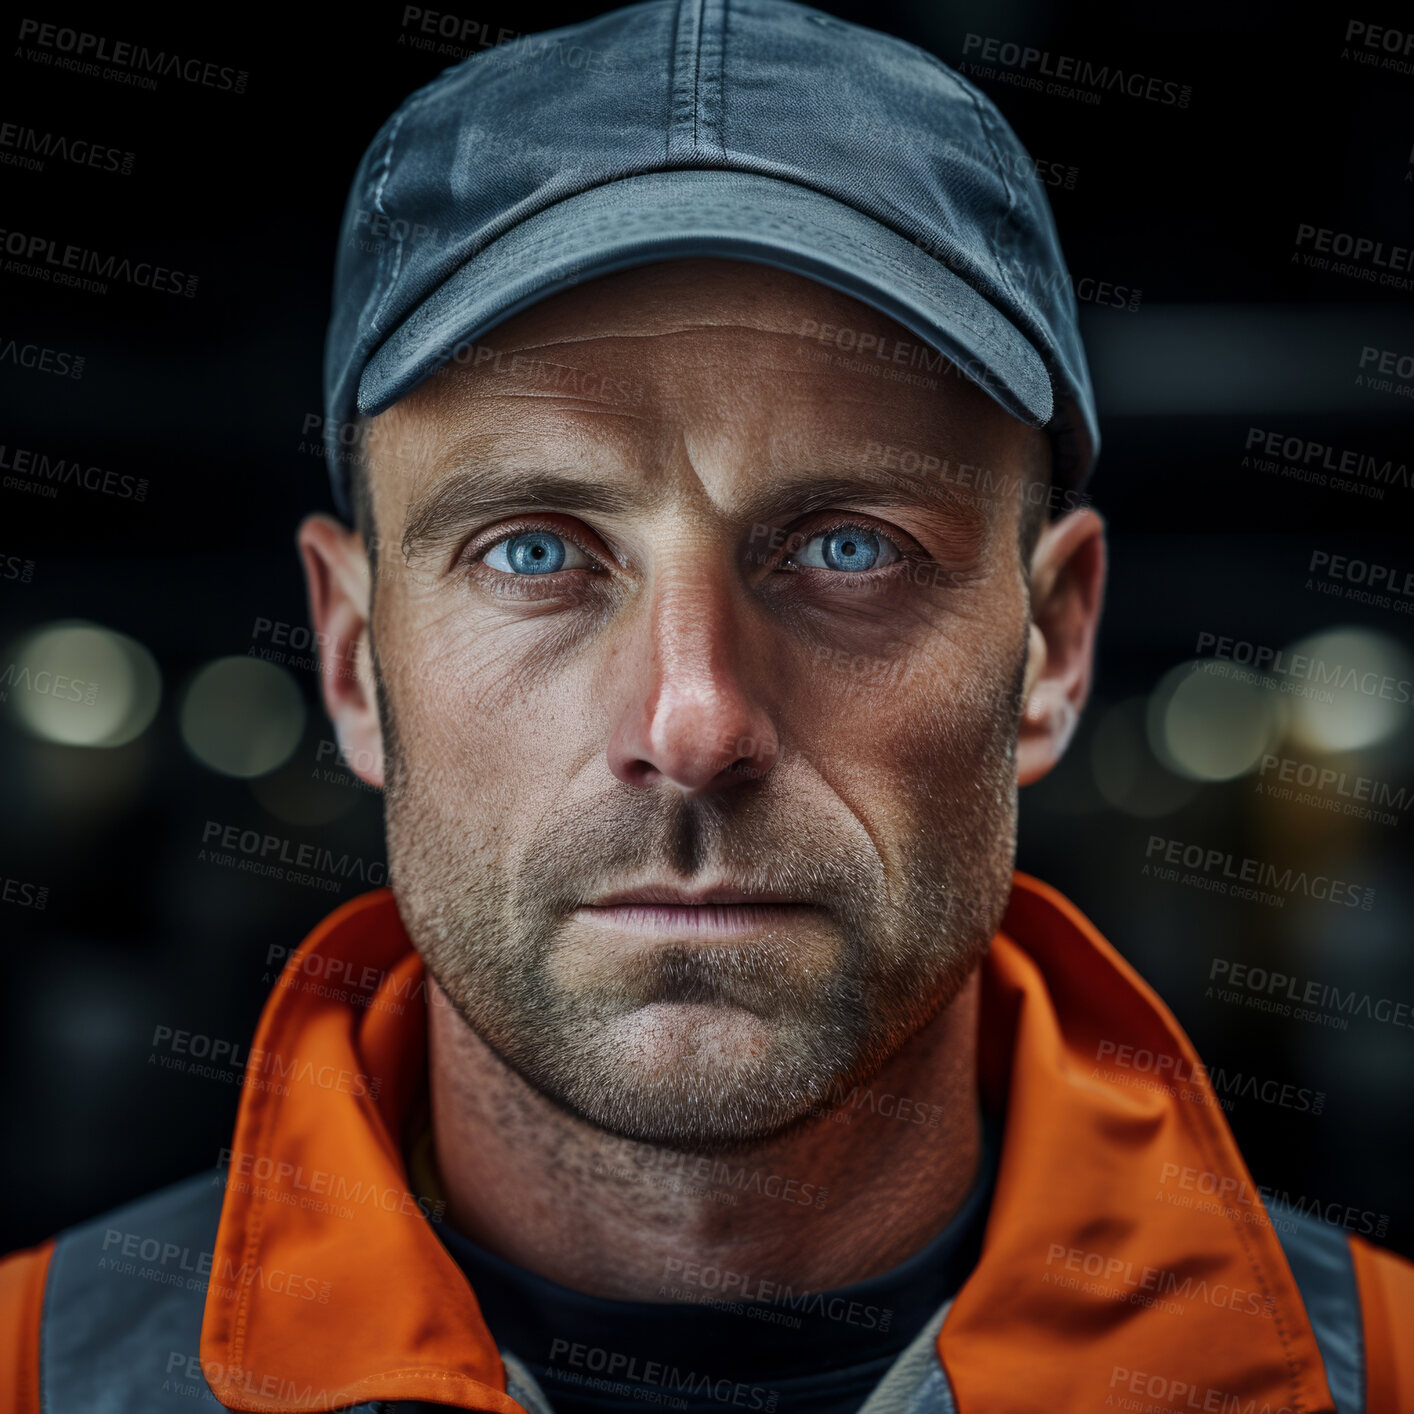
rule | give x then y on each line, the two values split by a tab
740	215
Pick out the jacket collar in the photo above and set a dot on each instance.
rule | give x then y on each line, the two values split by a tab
1194	1306
1105	1275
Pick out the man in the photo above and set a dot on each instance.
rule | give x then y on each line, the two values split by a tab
718	571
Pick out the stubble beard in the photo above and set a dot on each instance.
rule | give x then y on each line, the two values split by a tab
494	935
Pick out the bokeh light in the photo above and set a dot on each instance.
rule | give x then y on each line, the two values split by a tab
76	683
1209	726
242	716
1126	772
1361	670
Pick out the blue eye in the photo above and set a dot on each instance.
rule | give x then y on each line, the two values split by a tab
535	552
850	548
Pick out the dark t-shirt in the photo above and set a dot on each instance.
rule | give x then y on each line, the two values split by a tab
784	1350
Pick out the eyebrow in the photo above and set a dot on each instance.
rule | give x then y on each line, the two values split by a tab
483	494
874	484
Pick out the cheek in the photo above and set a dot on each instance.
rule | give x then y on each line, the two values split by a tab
905	700
920	745
485	746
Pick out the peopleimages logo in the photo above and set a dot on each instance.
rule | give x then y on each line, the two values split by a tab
40	470
42	258
320	1190
1147	1285
23	894
45	683
131	63
1262	989
16	568
728	1290
28	148
172	1264
60	362
980	482
378	989
222	1059
1381	585
1174	1394
1228	1084
188	1374
1228	869
1325	788
281	858
617	1368
1064	69
1265	659
1053	174
1227	1192
1317	460
1048	283
1379	47
1359	257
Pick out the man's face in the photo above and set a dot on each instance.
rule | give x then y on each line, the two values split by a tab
669	616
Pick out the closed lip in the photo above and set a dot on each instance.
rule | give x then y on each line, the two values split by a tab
669	896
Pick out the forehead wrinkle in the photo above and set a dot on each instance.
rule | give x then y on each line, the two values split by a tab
554	426
566	403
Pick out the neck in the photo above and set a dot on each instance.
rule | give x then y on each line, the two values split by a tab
852	1193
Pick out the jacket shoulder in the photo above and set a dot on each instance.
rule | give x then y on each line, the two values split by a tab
1386	1283
106	1315
22	1278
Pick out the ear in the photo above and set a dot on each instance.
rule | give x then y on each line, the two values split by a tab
1067	590
337	573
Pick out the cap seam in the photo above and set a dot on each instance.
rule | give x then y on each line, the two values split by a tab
975	99
672	81
697	71
722	81
708	91
338	477
1068	426
681	99
374	192
395	260
1002	216
416	101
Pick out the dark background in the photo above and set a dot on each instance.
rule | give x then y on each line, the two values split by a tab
206	398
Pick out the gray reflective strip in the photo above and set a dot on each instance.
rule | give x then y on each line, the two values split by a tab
121	1334
523	1387
1318	1254
916	1382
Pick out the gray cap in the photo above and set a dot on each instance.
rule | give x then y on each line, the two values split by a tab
758	130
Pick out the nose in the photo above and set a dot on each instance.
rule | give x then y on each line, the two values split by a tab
693	715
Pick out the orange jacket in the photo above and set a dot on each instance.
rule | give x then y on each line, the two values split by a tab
1129	1260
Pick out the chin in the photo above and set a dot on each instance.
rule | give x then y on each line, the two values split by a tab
699	1077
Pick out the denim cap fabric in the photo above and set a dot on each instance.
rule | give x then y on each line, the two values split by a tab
757	130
